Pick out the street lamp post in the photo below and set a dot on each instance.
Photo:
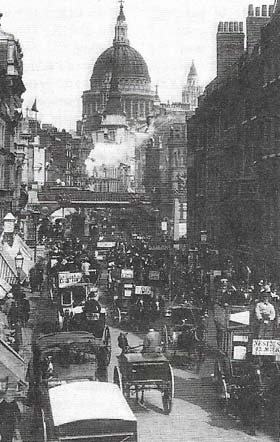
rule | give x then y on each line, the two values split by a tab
18	264
35	217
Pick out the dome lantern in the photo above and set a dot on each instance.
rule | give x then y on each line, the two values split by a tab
121	29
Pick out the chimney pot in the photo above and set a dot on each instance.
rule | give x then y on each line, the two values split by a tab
270	10
236	29
226	26
264	10
258	11
241	26
220	27
251	10
230	28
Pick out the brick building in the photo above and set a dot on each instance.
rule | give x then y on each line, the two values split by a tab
234	146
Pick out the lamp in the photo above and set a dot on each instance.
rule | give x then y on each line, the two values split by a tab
203	236
19	264
9	223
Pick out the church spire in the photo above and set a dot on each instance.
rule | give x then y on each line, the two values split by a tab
114	103
121	28
193	72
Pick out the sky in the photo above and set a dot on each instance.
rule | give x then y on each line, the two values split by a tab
61	40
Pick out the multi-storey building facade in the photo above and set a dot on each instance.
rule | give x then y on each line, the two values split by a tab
11	89
234	145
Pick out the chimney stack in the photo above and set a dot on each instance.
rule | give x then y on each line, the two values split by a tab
230	45
257	18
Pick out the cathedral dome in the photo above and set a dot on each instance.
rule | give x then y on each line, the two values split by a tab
129	65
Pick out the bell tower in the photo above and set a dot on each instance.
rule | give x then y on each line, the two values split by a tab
121	28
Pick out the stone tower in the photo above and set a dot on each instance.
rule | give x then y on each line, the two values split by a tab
192	90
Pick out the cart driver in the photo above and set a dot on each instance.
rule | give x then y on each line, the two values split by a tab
152	342
265	314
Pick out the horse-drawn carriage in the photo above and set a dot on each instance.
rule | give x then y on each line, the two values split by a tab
247	366
184	333
138	372
67	403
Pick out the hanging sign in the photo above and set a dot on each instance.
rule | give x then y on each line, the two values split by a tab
127	274
66	279
143	290
266	347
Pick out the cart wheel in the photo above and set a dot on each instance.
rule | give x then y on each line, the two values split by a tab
165	338
119	316
44	427
223	396
168	392
118	378
167	402
107	342
215	375
116	316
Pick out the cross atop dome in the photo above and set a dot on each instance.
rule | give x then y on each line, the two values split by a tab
121	28
121	16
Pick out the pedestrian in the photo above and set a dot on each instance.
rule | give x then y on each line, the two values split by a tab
8	302
24	310
13	315
9	418
152	342
85	270
265	315
123	342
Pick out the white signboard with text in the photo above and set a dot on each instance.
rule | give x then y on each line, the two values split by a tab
143	290
127	274
106	245
266	347
66	279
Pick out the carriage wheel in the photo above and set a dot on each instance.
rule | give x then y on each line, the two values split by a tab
116	316
165	338
118	378
223	395
168	392
44	426
216	374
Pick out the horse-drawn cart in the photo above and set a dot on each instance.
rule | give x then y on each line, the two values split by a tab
138	372
247	368
184	332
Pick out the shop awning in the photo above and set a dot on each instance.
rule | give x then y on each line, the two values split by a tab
12	366
8	271
4	288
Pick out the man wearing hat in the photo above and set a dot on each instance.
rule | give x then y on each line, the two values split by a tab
152	342
92	305
9	417
265	314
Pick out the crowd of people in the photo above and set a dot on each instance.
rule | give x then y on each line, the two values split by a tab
71	255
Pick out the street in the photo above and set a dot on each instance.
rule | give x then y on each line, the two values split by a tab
195	414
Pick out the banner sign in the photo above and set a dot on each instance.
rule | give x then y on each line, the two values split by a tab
154	275
66	279
127	274
266	347
106	245
143	290
159	248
